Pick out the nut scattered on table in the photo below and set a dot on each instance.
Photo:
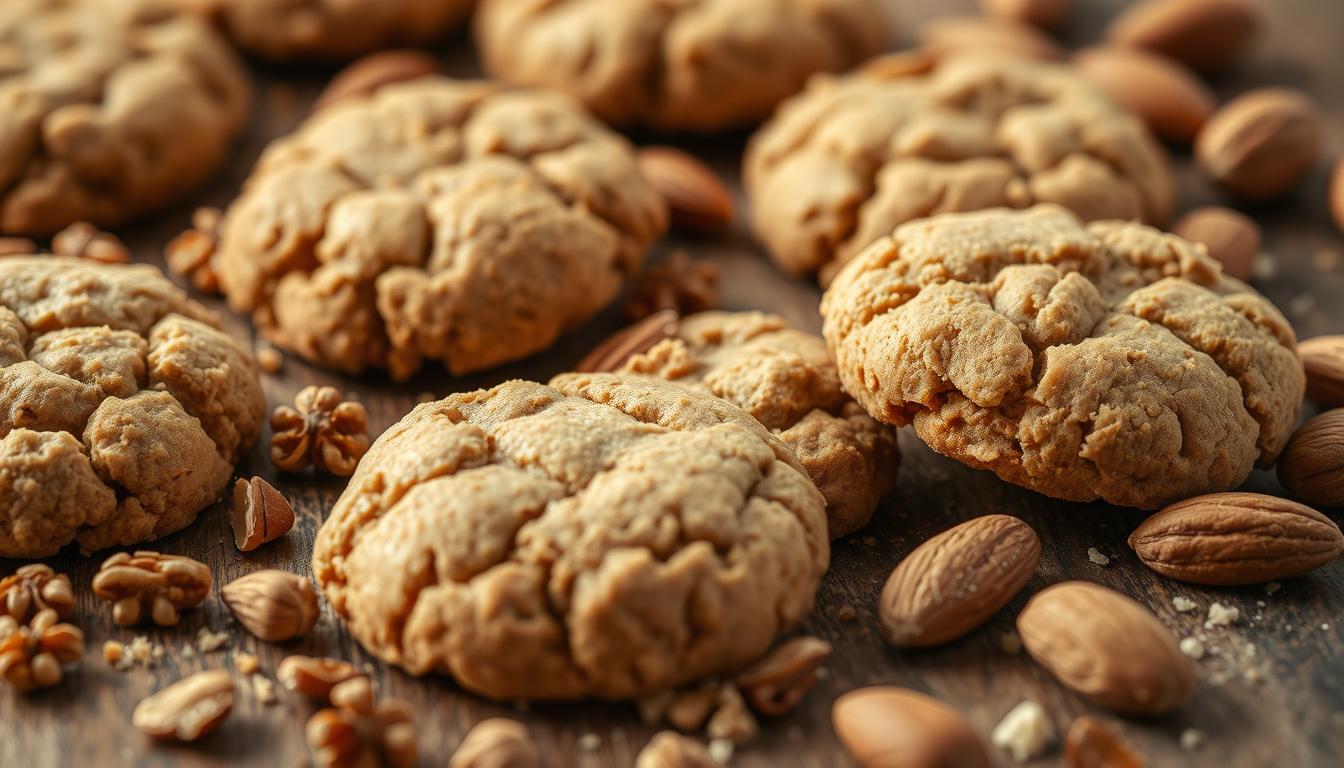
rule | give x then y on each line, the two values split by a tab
189	255
636	339
679	283
1323	358
1233	239
732	720
1206	35
670	749
1312	466
876	723
777	683
83	240
696	199
260	514
148	585
497	743
1025	732
33	588
322	429
314	677
187	709
359	731
1261	144
1092	744
1168	97
273	605
31	656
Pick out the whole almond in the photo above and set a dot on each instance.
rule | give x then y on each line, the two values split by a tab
366	75
956	580
1163	93
259	514
1232	239
187	709
1337	194
1093	744
955	34
1046	14
273	605
1205	35
1228	539
635	339
1312	466
1261	144
889	727
695	197
1323	359
1106	647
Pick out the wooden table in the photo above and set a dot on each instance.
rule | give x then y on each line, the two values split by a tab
1294	639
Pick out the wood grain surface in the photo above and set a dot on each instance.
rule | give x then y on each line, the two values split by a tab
1291	640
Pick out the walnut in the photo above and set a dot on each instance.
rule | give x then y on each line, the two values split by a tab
321	429
151	584
357	731
191	254
31	656
498	741
680	283
315	677
775	684
33	588
85	241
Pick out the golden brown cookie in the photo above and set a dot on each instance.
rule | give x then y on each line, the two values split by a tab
853	157
787	380
699	66
329	29
436	220
122	408
601	537
1108	361
109	109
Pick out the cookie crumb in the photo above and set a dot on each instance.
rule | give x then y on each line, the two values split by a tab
188	651
1272	587
1097	557
245	663
270	359
590	742
1325	627
113	652
1264	267
1192	647
1010	642
1191	739
1183	604
263	688
846	612
209	642
1221	616
1024	732
721	750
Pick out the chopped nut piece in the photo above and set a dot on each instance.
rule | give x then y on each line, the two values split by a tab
187	709
1192	739
1091	744
1024	732
680	283
189	255
1221	616
113	652
151	585
1192	647
34	588
274	605
1097	557
358	731
314	677
846	612
263	689
208	641
689	709
260	514
1183	604
670	749
31	656
270	359
246	663
721	750
776	683
83	240
732	720
321	429
590	742
499	742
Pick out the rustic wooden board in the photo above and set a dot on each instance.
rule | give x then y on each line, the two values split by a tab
1293	717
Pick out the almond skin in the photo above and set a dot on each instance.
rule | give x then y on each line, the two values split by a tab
1323	359
954	34
696	199
956	580
366	75
1106	647
1261	144
259	514
1163	93
1205	35
889	727
1046	14
1312	466
1233	240
1229	539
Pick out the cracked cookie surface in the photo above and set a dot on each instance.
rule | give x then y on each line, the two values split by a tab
440	220
852	157
698	65
122	408
111	109
603	536
1104	361
787	380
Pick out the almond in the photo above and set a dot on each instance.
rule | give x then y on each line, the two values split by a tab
636	339
366	75
259	514
1232	239
1227	539
1163	93
1205	35
956	34
697	200
889	727
1337	194
1323	358
1312	466
956	580
187	709
273	605
1106	647
1261	144
1046	14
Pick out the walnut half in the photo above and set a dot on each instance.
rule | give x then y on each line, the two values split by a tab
321	429
33	588
31	656
151	584
358	731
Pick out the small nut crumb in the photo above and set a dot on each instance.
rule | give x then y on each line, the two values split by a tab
590	742
263	689
208	641
670	749
1272	587
113	652
1192	647
188	651
846	612
83	240
1183	604
1325	627
1024	732
1221	616
1191	739
1097	557
1091	743
143	652
1010	642
270	359
322	429
721	750
245	663
732	720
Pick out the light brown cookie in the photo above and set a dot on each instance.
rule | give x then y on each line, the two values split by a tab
109	109
1108	361
436	220
601	537
698	66
787	380
329	29
122	409
852	157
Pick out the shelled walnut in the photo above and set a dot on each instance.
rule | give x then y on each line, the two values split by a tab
321	429
33	588
315	677
190	253
359	731
151	584
85	241
31	656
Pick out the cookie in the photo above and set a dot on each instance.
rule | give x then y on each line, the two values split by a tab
458	222
700	66
599	537
1105	361
787	380
111	109
853	157
282	30
122	408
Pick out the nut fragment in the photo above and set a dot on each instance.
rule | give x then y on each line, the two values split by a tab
636	339
696	199
360	732
1323	358
732	720
956	34
1261	144
689	709
1232	239
679	283
1046	14
888	727
775	684
321	429
187	709
151	585
1312	466
259	514
190	254
1106	647
33	588
83	240
1024	732
1228	539
1167	96
1206	35
956	580
1091	744
314	677
670	749
273	605
497	743
376	70
31	656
